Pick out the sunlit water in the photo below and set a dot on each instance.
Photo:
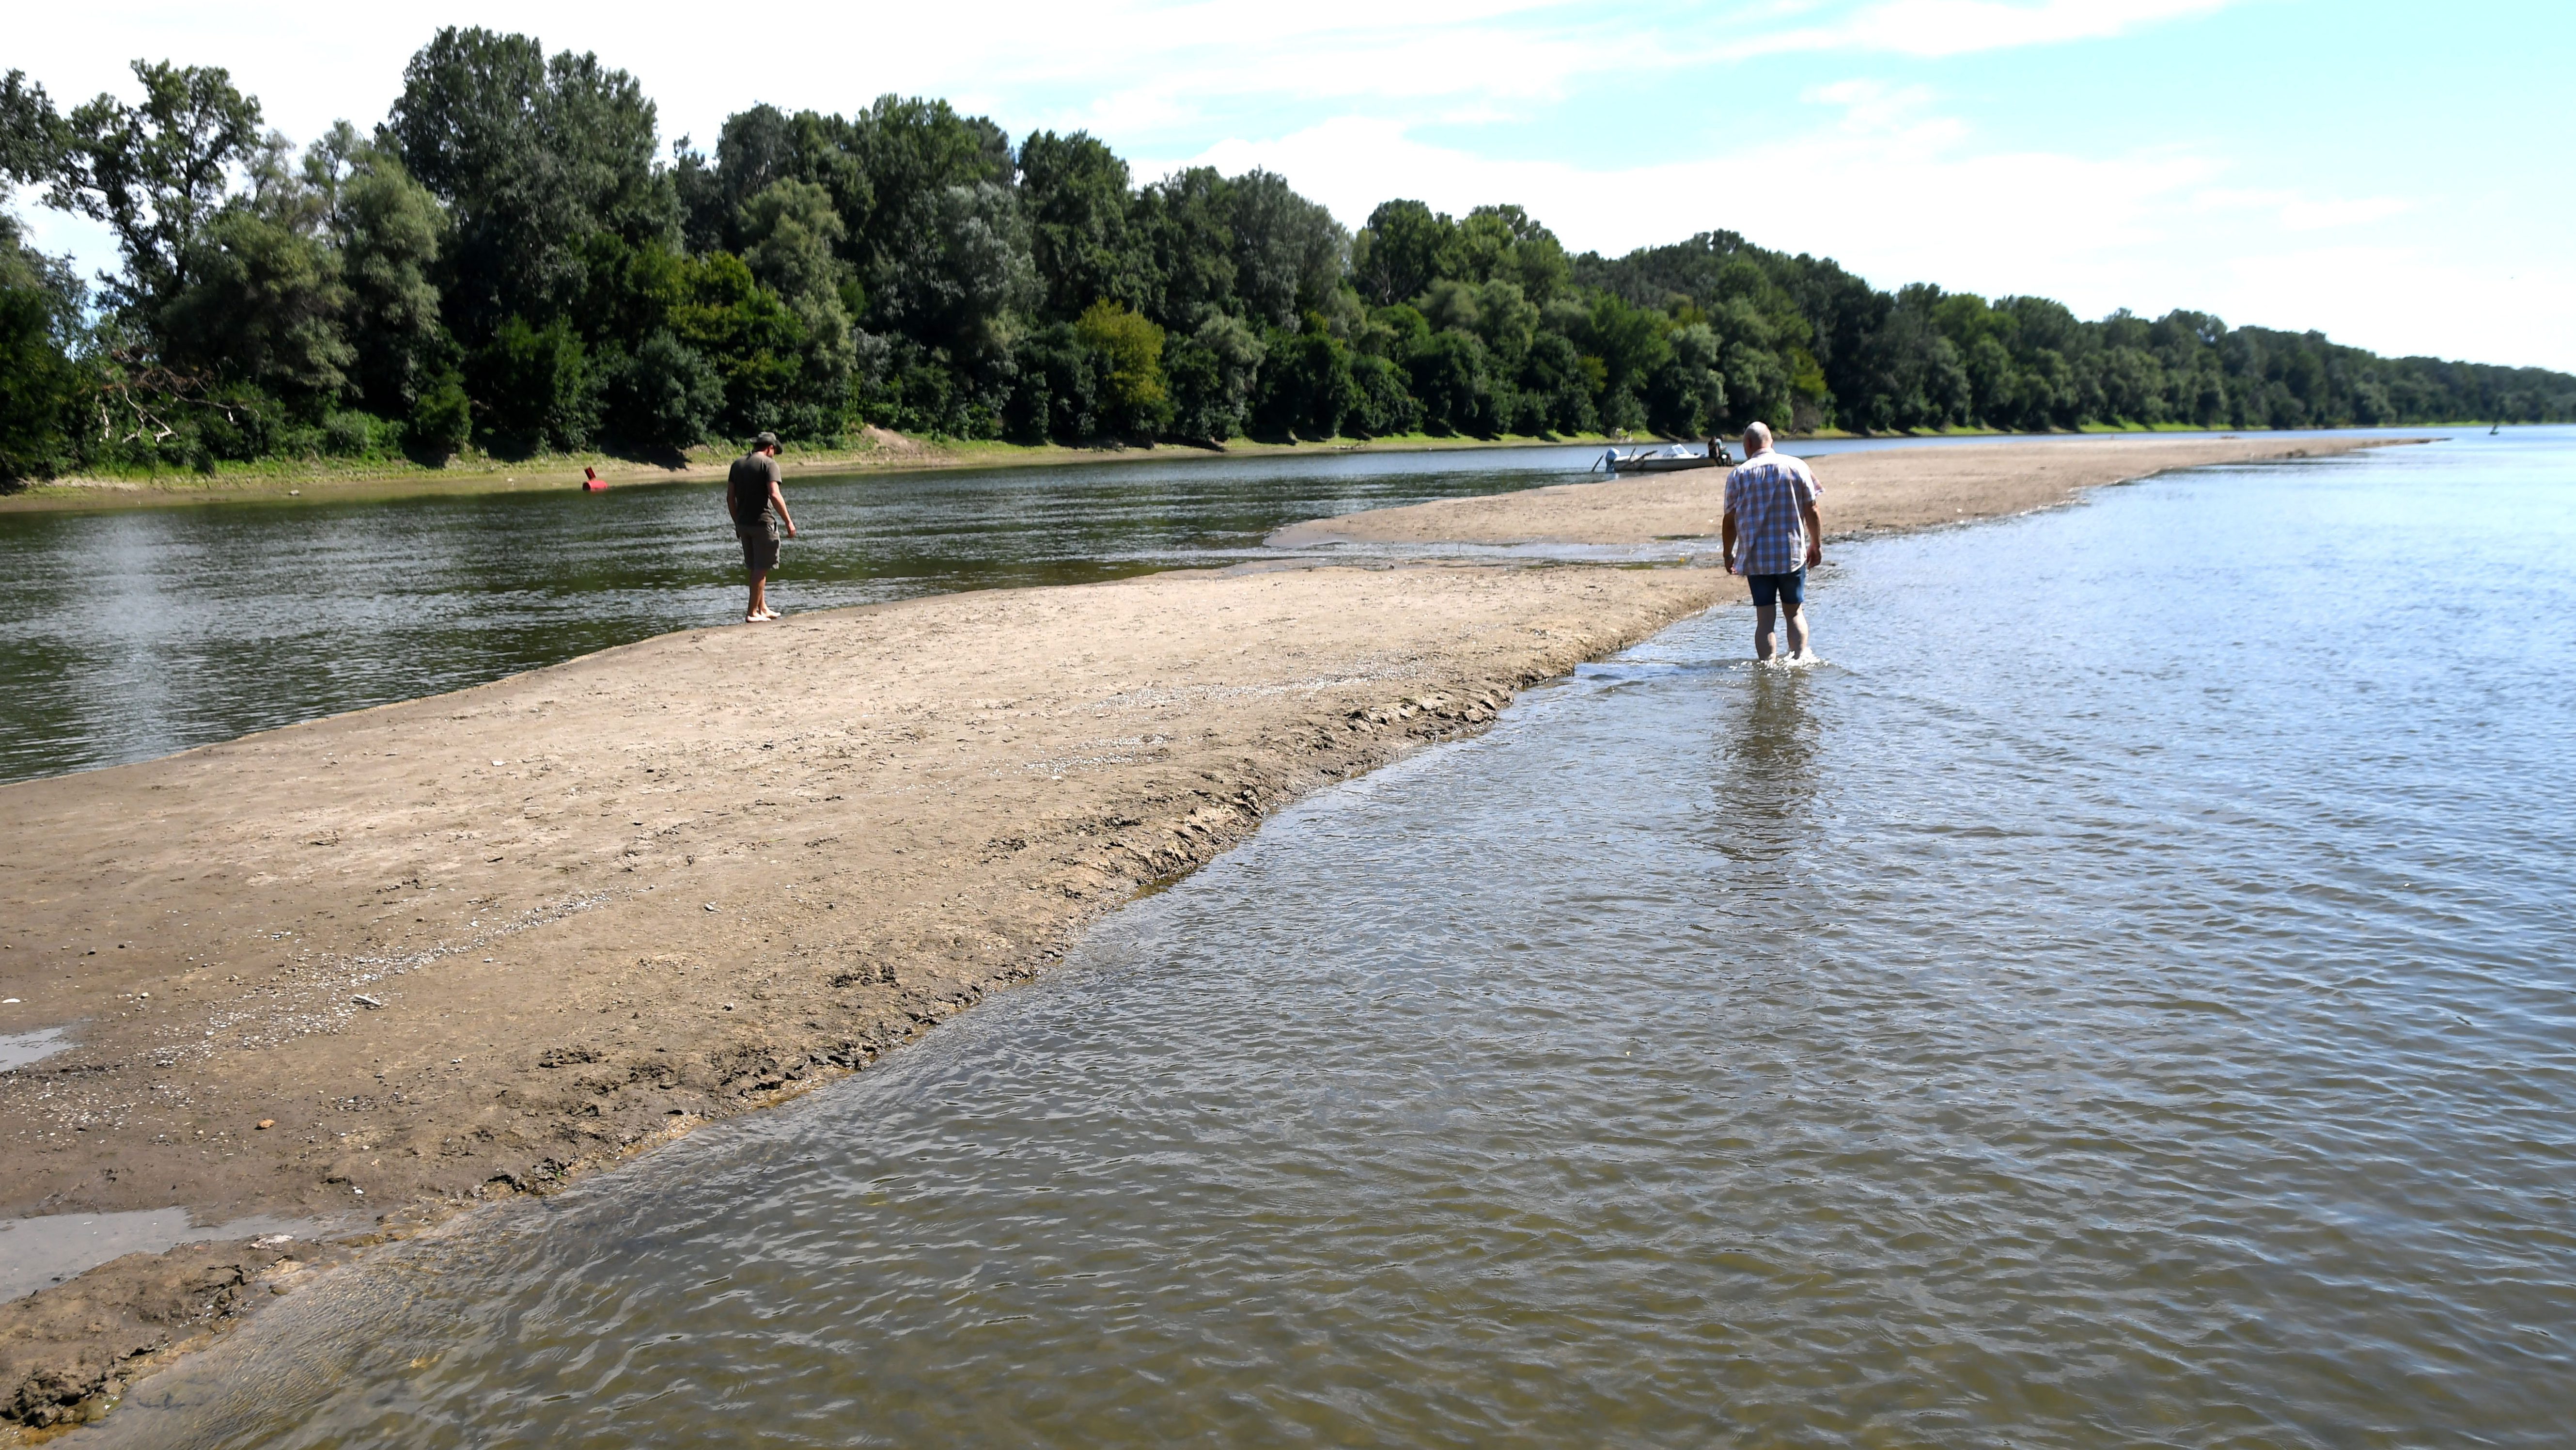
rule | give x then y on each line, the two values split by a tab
2123	998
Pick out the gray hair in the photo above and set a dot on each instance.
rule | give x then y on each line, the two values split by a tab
1757	436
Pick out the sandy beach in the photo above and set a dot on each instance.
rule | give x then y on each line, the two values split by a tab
1868	493
375	969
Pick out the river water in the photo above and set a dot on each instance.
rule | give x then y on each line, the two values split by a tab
2123	997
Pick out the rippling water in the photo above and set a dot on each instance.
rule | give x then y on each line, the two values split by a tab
2123	998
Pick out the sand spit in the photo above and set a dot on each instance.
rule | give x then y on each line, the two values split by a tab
414	957
395	963
1876	492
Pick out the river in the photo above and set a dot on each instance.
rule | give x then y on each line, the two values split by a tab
2122	997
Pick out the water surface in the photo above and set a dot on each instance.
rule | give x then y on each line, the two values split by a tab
2124	998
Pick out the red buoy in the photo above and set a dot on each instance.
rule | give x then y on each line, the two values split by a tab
591	482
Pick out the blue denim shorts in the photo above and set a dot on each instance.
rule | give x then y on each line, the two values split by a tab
1789	589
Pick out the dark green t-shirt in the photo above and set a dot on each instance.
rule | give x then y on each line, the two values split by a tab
748	485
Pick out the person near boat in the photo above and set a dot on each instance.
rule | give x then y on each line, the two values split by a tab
1773	535
759	509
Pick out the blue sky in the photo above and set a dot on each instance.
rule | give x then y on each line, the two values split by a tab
2396	175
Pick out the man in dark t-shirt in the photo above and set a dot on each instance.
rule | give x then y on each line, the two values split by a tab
759	509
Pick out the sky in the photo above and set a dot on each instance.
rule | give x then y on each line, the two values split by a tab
2395	175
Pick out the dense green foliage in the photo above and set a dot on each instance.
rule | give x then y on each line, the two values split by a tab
509	262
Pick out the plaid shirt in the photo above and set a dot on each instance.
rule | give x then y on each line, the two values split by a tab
1764	493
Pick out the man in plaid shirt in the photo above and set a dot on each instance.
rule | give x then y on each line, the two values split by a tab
1772	535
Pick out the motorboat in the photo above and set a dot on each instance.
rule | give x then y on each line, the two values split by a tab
1671	458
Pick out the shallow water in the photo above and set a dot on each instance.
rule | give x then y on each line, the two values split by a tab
50	1248
2123	997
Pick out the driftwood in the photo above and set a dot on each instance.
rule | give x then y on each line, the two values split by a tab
138	390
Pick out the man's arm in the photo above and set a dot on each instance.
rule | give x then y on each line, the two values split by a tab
1815	523
1726	538
778	501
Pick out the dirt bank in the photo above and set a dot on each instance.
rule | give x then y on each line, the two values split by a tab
1874	492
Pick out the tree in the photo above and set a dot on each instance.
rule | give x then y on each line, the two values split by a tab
791	231
1454	382
40	384
1504	243
1306	385
1404	249
907	160
1059	390
531	156
263	303
31	134
1289	253
1130	347
1074	191
534	387
954	280
1686	397
665	397
1185	227
262	306
1212	373
156	173
390	232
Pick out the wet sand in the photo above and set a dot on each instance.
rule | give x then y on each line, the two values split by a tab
383	966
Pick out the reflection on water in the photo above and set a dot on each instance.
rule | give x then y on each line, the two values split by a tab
2148	1027
1766	767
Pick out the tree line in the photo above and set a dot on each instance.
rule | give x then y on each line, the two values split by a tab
510	261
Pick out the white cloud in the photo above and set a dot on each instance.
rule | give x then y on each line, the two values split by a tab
1935	28
1900	193
2295	211
1137	65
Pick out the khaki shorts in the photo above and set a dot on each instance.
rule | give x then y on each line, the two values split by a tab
759	553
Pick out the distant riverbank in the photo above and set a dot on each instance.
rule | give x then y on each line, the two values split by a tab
876	451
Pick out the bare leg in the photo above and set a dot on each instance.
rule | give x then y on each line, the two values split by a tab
1764	616
1797	631
759	595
